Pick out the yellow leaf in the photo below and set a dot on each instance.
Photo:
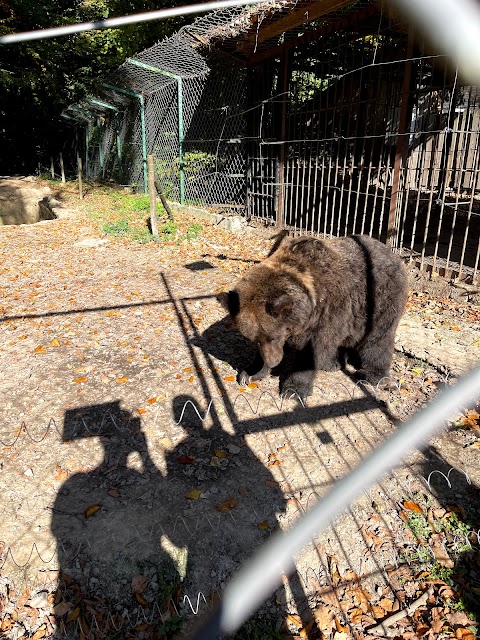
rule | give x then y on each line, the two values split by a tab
229	378
418	371
187	370
191	379
252	385
54	343
264	526
82	379
220	454
296	620
40	349
193	494
455	328
121	380
474	344
141	411
74	615
152	400
111	313
92	510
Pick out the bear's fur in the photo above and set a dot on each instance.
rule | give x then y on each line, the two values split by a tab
341	297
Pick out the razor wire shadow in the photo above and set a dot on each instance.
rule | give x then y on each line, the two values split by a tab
458	521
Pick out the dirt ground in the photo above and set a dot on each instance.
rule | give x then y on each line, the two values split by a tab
136	476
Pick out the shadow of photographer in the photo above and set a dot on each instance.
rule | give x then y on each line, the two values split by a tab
133	540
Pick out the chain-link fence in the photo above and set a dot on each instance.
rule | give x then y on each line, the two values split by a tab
325	121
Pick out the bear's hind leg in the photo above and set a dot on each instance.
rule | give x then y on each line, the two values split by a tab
375	358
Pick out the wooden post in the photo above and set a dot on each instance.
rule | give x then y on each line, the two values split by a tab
153	196
166	206
80	188
62	168
283	132
402	141
52	168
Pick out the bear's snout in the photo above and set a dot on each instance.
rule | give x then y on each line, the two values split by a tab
272	353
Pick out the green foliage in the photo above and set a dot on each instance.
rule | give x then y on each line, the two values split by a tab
418	525
193	231
168	230
195	164
38	79
118	228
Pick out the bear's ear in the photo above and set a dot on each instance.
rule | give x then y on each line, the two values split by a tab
230	301
279	306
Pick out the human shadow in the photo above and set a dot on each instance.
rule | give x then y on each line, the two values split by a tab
113	571
138	547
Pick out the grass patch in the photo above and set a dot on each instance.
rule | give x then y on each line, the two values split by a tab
127	216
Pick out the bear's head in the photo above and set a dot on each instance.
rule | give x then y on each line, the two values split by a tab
268	309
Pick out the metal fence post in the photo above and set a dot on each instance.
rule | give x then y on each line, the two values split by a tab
142	123
180	117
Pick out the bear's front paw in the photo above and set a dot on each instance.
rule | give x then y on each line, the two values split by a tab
243	378
373	377
298	383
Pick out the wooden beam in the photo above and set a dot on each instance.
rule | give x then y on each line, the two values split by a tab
338	24
402	143
294	19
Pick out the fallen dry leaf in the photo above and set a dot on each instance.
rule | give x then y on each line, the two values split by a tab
40	349
229	378
54	343
185	459
82	379
413	506
264	526
60	474
141	600
73	615
139	583
227	505
121	380
92	510
464	634
193	494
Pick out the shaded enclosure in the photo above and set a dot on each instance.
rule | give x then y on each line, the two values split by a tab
322	117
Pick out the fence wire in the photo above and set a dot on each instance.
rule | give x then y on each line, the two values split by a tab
339	123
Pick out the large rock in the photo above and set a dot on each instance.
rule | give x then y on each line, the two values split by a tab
22	201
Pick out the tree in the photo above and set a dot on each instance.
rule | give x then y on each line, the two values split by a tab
39	79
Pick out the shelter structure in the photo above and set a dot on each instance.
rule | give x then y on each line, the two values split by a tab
321	116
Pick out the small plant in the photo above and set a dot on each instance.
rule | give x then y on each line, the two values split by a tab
168	230
117	228
418	525
193	231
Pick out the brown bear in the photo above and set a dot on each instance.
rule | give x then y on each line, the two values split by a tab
343	297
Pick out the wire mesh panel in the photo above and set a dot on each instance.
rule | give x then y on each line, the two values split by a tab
328	121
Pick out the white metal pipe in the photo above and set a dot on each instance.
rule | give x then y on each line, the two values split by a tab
160	14
453	27
261	575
